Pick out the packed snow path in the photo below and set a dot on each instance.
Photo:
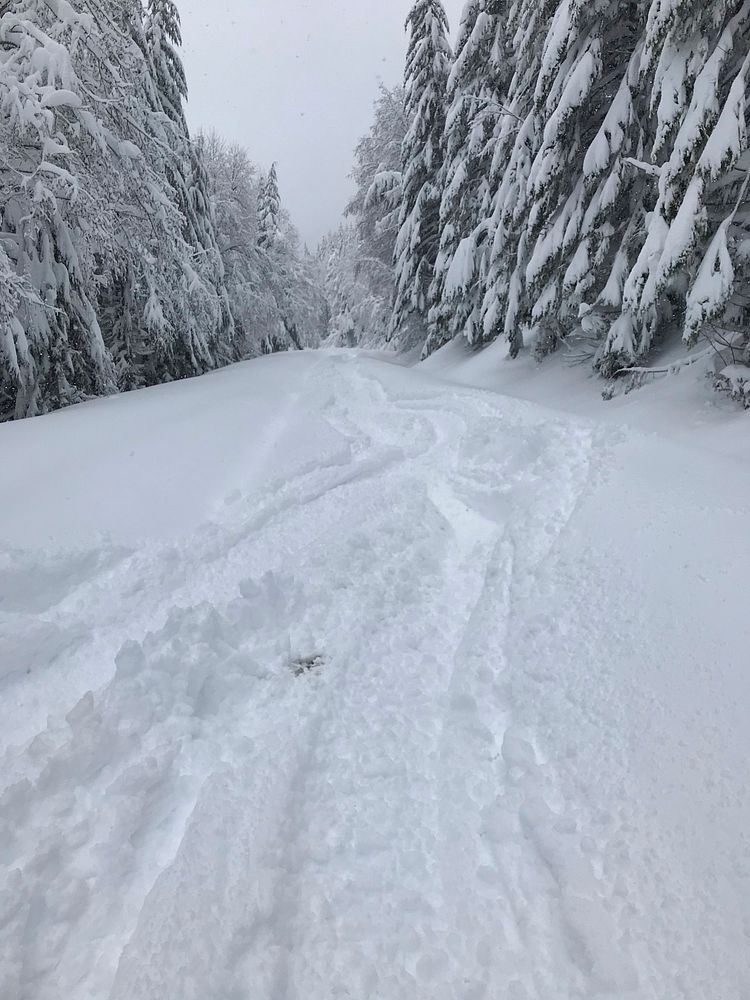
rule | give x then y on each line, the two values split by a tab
372	687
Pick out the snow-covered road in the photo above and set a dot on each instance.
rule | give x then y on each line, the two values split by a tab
324	679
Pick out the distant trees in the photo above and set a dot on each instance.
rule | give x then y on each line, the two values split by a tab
358	258
275	290
269	209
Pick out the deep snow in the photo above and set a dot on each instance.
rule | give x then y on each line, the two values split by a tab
518	767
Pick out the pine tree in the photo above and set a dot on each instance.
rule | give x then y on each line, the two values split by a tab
517	137
691	268
275	259
205	336
164	38
477	90
53	180
358	259
595	178
565	200
428	65
376	205
269	209
620	208
581	194
106	284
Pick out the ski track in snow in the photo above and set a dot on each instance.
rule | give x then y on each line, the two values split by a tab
444	806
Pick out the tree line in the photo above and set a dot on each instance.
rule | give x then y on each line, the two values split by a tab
576	172
130	252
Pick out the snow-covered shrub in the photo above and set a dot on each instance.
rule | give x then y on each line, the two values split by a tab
730	351
734	380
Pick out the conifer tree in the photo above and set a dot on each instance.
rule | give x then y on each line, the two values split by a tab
164	38
269	209
206	335
53	182
428	65
620	204
516	137
580	191
563	194
691	271
376	206
477	90
108	288
289	275
358	259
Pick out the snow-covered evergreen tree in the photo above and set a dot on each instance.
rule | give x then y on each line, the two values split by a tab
207	334
111	271
579	186
691	271
285	272
376	205
619	176
164	38
428	65
358	258
477	90
233	185
569	60
54	182
269	209
276	291
514	139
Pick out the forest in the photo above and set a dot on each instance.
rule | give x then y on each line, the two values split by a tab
574	175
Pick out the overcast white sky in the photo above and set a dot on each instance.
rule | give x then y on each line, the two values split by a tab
294	81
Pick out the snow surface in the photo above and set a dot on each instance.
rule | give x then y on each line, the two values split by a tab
322	677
